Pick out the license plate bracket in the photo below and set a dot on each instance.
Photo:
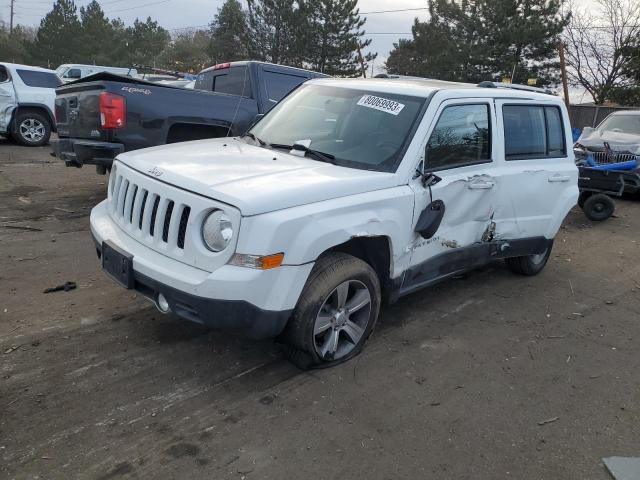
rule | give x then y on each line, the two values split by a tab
118	264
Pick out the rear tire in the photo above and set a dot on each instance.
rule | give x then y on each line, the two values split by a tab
529	265
32	129
599	207
336	312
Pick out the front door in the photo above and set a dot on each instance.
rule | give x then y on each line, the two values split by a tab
459	152
7	98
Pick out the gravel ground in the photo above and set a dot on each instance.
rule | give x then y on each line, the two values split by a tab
485	376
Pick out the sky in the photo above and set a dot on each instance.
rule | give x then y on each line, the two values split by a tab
383	28
173	14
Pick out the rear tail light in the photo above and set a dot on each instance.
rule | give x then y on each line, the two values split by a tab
113	110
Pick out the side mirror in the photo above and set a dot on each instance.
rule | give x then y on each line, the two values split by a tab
430	219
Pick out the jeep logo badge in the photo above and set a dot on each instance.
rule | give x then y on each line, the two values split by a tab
155	171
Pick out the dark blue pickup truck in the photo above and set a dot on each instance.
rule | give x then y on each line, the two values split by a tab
102	115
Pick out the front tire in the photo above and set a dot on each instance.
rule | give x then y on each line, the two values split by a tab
336	313
32	129
529	265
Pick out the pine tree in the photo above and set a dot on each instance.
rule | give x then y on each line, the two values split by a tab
145	42
57	40
229	34
334	37
274	25
97	36
475	40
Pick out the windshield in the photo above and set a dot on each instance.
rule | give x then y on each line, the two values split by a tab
61	70
361	129
622	123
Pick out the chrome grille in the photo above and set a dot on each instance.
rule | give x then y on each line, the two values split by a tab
606	157
147	212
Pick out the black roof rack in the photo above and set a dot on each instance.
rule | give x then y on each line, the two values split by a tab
514	86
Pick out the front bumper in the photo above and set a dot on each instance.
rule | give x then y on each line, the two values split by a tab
252	302
77	152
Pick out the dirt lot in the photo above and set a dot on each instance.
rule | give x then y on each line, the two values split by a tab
486	376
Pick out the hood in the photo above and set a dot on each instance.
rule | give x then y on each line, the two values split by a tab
618	141
254	179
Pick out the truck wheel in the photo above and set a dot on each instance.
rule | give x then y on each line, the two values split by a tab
529	265
583	198
336	313
599	207
32	129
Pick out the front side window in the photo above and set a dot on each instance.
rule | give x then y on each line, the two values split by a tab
533	131
4	74
33	78
357	128
462	136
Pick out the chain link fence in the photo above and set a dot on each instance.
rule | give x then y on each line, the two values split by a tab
591	115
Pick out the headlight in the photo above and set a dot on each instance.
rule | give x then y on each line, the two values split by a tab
217	231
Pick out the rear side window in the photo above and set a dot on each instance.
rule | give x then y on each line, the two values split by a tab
462	136
39	79
532	131
232	81
278	85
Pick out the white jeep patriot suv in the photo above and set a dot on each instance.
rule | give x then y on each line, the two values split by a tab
348	193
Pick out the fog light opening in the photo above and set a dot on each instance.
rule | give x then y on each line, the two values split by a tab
162	304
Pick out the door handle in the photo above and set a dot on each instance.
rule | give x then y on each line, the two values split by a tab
482	185
559	178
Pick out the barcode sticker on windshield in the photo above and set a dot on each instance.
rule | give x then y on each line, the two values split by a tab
382	104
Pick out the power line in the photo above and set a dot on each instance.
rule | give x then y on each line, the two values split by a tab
395	11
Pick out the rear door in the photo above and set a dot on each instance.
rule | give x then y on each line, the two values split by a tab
537	168
7	98
459	150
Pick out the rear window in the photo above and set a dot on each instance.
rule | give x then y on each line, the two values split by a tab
278	85
533	131
39	79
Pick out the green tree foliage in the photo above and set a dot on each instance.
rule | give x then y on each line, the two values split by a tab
58	38
145	41
274	26
188	52
475	40
333	37
229	34
14	47
97	36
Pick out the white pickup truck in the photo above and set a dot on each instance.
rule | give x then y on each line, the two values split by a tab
27	103
349	193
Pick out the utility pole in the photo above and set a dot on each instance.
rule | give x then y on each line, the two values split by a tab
11	18
563	71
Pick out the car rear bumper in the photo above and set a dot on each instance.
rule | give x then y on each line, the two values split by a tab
77	152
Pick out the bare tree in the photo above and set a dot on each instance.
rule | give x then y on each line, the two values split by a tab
596	42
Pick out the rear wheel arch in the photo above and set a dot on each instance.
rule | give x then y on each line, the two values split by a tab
26	108
183	132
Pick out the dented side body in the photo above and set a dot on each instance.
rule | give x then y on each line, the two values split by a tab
304	208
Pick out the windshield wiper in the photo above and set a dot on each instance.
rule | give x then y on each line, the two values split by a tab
323	157
253	137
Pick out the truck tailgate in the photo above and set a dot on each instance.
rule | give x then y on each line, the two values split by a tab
78	111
